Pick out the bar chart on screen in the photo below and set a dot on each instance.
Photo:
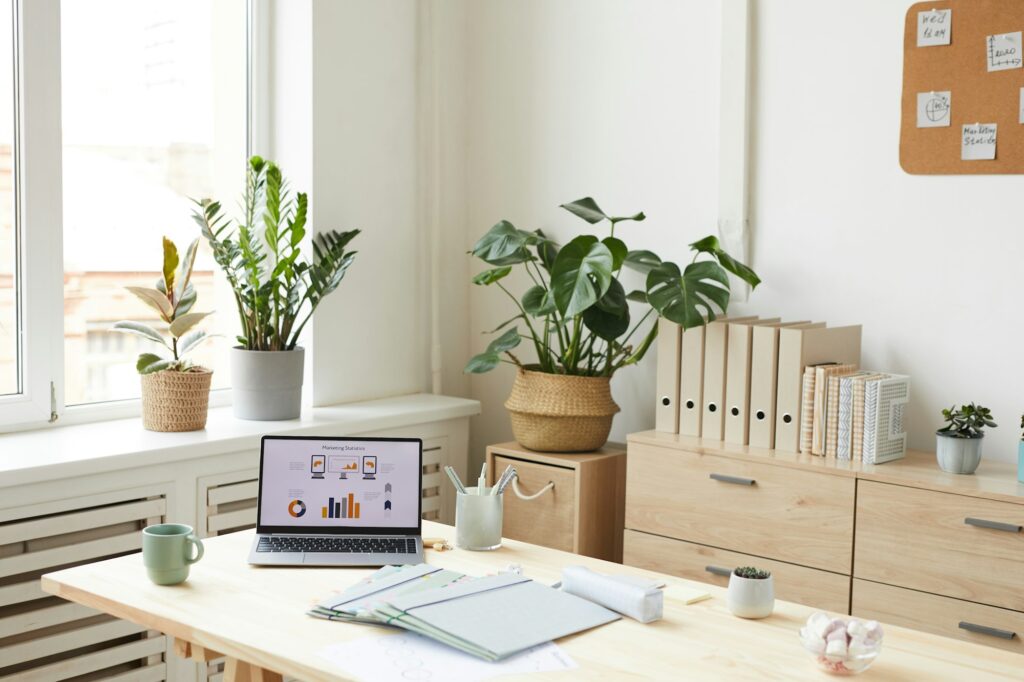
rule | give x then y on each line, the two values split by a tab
343	508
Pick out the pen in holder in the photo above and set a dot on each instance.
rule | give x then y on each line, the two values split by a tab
478	520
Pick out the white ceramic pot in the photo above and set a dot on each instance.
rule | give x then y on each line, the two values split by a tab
266	385
750	597
958	455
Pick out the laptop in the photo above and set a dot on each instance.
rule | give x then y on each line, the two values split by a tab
339	502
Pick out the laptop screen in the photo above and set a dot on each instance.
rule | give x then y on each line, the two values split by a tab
339	485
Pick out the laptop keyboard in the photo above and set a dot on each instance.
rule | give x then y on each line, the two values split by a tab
282	543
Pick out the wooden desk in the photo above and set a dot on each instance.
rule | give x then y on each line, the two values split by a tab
255	616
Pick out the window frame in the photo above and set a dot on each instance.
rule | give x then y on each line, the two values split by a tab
39	228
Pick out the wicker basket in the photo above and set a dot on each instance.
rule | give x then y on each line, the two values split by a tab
176	401
559	413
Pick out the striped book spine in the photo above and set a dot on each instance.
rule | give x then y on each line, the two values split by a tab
807	411
870	420
845	428
832	423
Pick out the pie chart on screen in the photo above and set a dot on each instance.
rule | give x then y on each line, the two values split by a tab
297	508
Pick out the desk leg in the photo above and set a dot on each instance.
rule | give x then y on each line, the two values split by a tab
240	671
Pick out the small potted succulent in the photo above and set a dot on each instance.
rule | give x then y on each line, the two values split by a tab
751	593
958	443
175	392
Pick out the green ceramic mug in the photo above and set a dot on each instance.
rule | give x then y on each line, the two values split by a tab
167	552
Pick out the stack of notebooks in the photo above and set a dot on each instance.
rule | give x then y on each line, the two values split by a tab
492	617
790	386
853	414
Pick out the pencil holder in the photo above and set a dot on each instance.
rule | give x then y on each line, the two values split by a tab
478	521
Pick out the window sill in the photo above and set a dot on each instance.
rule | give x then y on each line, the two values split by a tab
81	450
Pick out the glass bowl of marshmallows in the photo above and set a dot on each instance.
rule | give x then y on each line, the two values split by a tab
842	647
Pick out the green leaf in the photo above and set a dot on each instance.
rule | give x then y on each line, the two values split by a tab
701	291
581	275
157	366
618	249
155	300
507	341
185	322
143	330
484	362
505	324
538	301
609	318
642	261
587	209
547	250
191	340
638	217
185	274
170	263
491	276
739	269
637	296
145	360
187	300
707	245
504	244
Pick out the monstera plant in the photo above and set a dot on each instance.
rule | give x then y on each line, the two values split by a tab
577	319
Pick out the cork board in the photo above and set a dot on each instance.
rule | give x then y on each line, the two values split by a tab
977	95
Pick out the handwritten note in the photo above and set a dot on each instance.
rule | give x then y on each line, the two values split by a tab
934	27
978	142
933	109
1004	51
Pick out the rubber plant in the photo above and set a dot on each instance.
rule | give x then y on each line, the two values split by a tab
276	288
172	297
576	314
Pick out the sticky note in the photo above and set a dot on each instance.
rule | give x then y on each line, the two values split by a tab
1004	51
978	142
933	109
934	27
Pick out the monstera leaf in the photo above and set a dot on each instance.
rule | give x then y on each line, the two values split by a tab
686	298
489	359
711	246
504	244
581	275
588	209
609	317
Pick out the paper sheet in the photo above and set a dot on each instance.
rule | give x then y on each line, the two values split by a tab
404	657
978	142
934	27
1003	51
933	109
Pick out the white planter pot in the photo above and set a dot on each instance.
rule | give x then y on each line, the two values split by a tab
958	455
751	597
266	385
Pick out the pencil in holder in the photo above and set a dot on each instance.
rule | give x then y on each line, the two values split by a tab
478	520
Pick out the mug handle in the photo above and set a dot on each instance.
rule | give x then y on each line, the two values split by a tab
192	540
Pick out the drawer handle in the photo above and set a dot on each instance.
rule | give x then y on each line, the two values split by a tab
736	480
718	570
994	525
986	630
523	496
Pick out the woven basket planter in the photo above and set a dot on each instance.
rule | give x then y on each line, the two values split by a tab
176	401
559	413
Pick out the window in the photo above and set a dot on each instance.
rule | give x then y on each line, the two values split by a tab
105	137
154	110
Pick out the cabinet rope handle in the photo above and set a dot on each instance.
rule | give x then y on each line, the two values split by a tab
718	570
986	630
523	496
994	525
736	480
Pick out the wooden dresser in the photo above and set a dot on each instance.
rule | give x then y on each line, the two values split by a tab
902	542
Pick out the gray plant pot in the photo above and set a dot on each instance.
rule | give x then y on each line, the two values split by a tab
958	455
266	385
750	597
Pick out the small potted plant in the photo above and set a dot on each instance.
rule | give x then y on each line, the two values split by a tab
579	324
276	287
751	593
175	392
958	443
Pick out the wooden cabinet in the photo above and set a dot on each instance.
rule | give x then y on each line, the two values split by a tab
582	512
794	583
902	542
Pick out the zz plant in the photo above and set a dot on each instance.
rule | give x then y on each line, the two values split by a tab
576	314
276	288
967	422
172	297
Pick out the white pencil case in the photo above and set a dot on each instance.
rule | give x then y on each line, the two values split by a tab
639	598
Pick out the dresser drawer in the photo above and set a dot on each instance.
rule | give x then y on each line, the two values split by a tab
823	590
938	550
548	520
940	615
778	512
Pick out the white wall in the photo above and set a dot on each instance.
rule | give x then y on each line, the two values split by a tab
929	265
617	100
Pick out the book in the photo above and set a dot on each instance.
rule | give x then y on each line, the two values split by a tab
807	410
821	384
857	423
844	435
